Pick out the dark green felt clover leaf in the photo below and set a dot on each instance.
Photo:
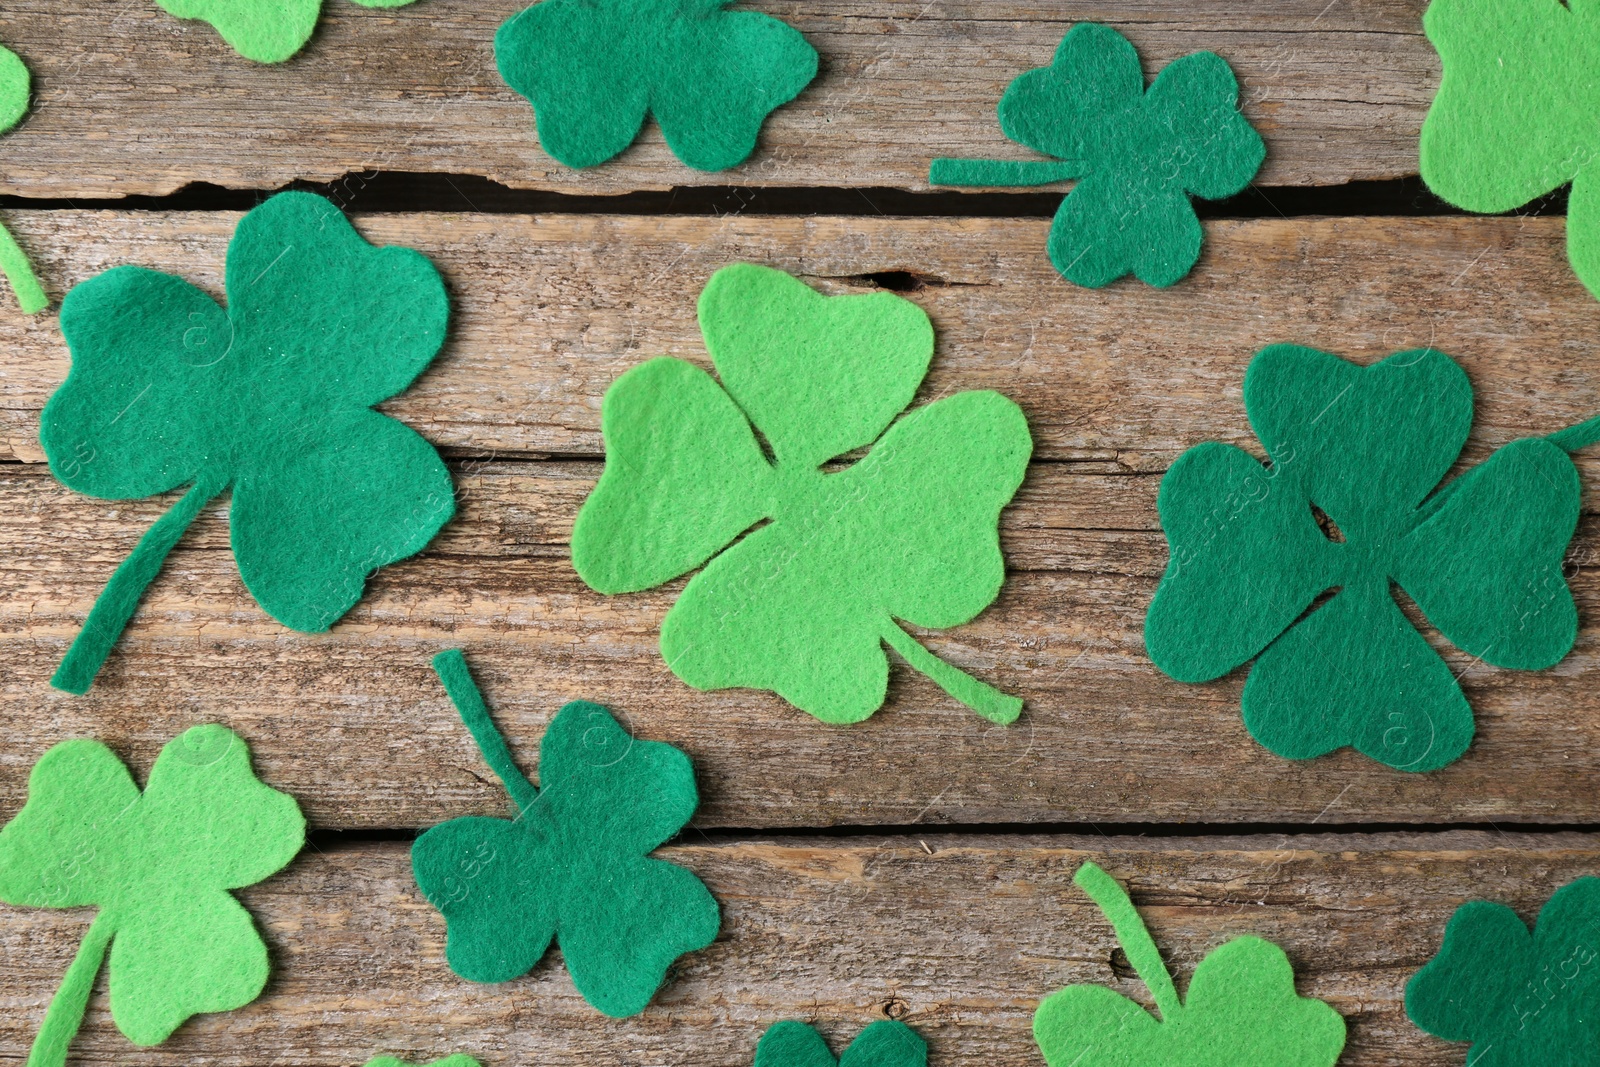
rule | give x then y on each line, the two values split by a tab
1482	557
267	31
1241	1007
886	1043
16	87
272	397
160	866
574	864
1137	155
593	68
1523	1000
803	605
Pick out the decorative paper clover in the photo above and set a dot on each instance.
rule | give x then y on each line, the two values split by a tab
803	605
267	31
272	397
1523	1000
1513	118
159	865
593	68
886	1043
1241	1008
1137	156
15	89
460	1059
1481	557
574	863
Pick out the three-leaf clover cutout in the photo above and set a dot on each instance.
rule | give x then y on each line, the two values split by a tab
1523	999
804	604
1514	115
594	68
1137	155
575	863
160	866
272	397
267	31
1240	1008
885	1043
1480	557
16	88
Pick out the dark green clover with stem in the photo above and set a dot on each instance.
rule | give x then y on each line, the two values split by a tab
1251	566
574	865
1137	155
886	1043
16	87
272	398
1241	1009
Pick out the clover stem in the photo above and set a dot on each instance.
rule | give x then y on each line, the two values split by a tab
19	272
65	1014
1002	171
984	699
1575	437
1136	941
451	667
121	596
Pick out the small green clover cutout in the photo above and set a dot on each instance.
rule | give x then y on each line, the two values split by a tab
272	397
1241	1006
1523	999
1481	557
803	605
160	866
594	68
267	31
460	1059
16	88
1137	155
886	1043
574	865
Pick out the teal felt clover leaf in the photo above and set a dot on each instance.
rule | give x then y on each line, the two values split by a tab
1241	1009
1137	155
886	1043
16	88
574	865
267	31
160	865
594	68
1366	446
1523	999
272	397
803	605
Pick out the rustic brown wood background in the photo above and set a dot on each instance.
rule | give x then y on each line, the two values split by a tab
916	866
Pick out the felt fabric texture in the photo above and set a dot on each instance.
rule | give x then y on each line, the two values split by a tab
804	604
272	397
267	31
1482	556
460	1059
1241	1006
574	865
886	1043
1513	117
1137	155
16	87
594	68
1523	999
159	865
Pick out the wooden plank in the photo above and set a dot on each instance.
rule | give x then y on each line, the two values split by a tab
961	937
131	100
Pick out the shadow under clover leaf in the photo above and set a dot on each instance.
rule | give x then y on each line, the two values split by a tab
272	397
885	1043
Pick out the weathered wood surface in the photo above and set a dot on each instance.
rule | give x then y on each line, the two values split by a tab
129	99
960	936
1116	382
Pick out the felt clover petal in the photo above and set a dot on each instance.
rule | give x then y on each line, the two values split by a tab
267	31
1108	228
886	1043
1069	109
1215	151
16	86
1485	962
1583	227
460	1059
77	792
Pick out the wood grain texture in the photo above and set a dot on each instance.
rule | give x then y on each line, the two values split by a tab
959	936
131	100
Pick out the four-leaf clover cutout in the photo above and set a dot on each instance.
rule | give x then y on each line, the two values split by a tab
804	604
1481	557
272	397
267	31
160	866
885	1043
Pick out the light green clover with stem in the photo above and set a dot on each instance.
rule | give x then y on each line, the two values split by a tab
15	90
267	31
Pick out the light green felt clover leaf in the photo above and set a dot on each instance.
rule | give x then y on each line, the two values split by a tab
886	1043
1482	557
460	1059
1137	155
16	88
574	865
159	865
272	397
267	31
1514	115
804	604
1241	1006
593	68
